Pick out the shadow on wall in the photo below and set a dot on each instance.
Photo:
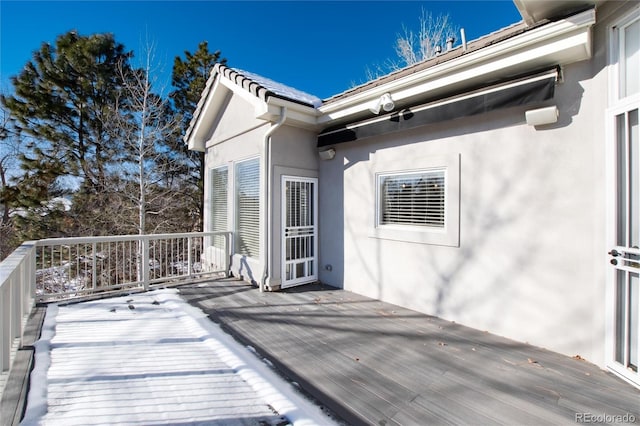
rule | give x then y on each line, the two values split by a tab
507	203
245	271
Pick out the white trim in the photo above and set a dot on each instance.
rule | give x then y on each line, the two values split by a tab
307	278
613	36
409	226
197	134
561	42
617	106
447	236
472	94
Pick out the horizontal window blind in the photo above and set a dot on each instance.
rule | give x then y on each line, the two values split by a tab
416	199
219	210
248	208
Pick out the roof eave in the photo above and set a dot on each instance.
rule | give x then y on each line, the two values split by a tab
556	43
534	11
266	105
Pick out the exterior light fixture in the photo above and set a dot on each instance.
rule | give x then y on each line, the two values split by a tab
327	154
385	102
540	116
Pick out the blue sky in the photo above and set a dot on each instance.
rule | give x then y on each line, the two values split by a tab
321	47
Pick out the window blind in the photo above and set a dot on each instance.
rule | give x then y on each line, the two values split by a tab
248	208
219	210
415	199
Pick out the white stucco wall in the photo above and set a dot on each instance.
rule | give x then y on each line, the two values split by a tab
234	136
237	136
293	154
532	261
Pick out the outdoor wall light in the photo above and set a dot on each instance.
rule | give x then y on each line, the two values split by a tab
327	154
385	102
540	116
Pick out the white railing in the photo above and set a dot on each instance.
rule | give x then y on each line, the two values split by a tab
17	287
72	267
66	268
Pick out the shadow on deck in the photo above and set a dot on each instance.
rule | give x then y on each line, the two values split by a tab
371	362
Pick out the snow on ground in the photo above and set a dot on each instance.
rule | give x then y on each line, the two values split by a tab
148	359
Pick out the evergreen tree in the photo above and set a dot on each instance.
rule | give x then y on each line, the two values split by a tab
61	101
190	77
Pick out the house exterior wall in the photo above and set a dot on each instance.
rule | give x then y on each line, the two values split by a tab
293	153
236	136
531	261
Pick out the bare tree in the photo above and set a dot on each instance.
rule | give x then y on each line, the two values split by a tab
434	34
144	122
431	38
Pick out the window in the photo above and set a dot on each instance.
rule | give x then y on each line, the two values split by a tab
414	199
418	205
248	208
219	210
626	56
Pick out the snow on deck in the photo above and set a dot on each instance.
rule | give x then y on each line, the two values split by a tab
153	359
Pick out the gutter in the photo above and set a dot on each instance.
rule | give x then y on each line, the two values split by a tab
267	217
561	42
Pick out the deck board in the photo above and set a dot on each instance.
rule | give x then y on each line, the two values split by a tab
371	362
13	399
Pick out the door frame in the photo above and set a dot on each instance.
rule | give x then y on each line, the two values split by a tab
314	276
612	219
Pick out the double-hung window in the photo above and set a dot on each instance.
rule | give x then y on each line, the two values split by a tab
627	56
419	205
247	194
412	199
219	209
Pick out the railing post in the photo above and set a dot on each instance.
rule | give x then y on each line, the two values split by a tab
229	252
144	243
5	323
189	258
16	310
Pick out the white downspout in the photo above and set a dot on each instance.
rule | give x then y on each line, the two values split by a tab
267	219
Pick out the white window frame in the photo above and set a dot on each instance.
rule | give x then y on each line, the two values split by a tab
380	197
617	105
617	57
256	228
449	234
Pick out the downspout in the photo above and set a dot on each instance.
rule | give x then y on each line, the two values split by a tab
268	223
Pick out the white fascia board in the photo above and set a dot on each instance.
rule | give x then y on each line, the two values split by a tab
257	103
561	43
270	110
297	114
198	134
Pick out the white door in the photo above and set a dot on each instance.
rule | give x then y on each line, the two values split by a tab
624	254
300	230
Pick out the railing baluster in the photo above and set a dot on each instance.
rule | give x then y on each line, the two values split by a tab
94	271
189	260
145	263
70	267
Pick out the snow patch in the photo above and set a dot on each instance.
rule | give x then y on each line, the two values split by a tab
163	362
282	90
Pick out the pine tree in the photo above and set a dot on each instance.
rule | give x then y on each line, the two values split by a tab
190	77
62	97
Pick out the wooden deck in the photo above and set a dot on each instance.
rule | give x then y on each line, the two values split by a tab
375	363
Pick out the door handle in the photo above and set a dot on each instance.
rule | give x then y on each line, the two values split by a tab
615	253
